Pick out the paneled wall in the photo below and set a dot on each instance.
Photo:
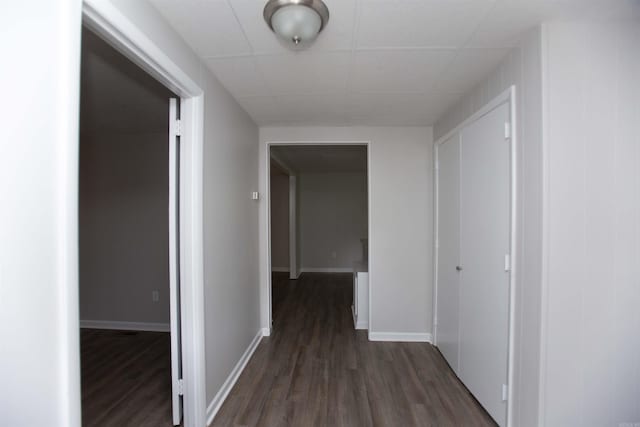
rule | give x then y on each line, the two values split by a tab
523	68
591	375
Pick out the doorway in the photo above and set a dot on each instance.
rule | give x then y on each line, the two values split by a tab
318	208
107	21
129	243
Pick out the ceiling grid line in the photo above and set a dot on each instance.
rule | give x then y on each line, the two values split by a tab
378	62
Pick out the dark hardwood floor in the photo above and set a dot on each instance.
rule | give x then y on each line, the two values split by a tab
316	370
126	378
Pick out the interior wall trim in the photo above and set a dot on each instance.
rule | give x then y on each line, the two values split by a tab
125	326
326	270
216	403
401	336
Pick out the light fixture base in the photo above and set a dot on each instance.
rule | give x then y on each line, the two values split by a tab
317	6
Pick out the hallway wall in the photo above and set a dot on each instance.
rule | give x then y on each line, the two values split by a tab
38	222
591	343
400	255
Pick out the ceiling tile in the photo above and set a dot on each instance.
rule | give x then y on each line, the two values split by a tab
422	23
398	70
239	75
262	109
306	72
410	109
312	109
338	35
208	26
469	68
508	20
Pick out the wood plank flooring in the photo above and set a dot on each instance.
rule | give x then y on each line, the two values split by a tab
316	370
126	378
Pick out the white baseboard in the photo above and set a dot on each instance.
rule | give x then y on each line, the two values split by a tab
362	324
125	326
218	400
400	336
326	270
266	332
279	269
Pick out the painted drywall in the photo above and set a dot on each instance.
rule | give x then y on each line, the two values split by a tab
591	343
231	294
39	361
124	189
333	219
523	68
124	199
401	206
279	221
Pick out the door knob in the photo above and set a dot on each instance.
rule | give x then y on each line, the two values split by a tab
458	268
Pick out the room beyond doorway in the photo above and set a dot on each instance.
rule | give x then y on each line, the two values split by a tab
319	215
127	211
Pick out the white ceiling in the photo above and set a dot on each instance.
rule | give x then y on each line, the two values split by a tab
378	62
320	158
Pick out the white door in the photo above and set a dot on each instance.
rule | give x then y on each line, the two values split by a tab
174	261
485	172
448	249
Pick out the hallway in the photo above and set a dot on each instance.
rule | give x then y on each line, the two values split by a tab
316	370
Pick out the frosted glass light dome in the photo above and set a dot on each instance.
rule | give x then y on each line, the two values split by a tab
296	23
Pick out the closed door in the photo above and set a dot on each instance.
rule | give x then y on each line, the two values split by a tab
484	245
449	249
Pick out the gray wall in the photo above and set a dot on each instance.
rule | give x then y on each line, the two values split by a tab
400	254
124	227
279	221
124	181
333	219
523	68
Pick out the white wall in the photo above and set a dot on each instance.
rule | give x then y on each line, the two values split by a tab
592	155
522	68
400	192
39	362
279	221
231	294
333	219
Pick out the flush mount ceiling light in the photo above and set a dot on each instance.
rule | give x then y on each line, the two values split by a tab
296	21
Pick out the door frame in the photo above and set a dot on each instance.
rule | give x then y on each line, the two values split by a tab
507	96
267	330
115	28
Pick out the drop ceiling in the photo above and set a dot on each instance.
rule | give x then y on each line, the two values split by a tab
378	62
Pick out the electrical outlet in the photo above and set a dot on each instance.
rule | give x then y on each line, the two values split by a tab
155	296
